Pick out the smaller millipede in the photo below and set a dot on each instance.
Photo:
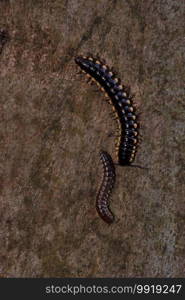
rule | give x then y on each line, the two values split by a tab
106	187
3	38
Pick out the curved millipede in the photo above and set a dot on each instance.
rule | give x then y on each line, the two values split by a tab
109	178
122	106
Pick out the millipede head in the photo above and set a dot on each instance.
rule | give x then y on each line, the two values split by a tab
79	60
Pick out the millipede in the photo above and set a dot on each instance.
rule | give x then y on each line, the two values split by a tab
105	190
122	104
3	38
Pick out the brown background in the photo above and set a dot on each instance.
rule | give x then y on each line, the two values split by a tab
52	126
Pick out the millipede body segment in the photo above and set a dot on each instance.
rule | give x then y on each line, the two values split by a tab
122	106
109	177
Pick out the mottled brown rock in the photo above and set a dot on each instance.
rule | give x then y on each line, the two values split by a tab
53	125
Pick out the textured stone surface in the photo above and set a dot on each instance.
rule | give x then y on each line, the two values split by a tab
52	126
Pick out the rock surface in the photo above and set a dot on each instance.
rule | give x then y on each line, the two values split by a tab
52	126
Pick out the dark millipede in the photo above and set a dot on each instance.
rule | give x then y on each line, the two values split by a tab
122	105
3	38
109	177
